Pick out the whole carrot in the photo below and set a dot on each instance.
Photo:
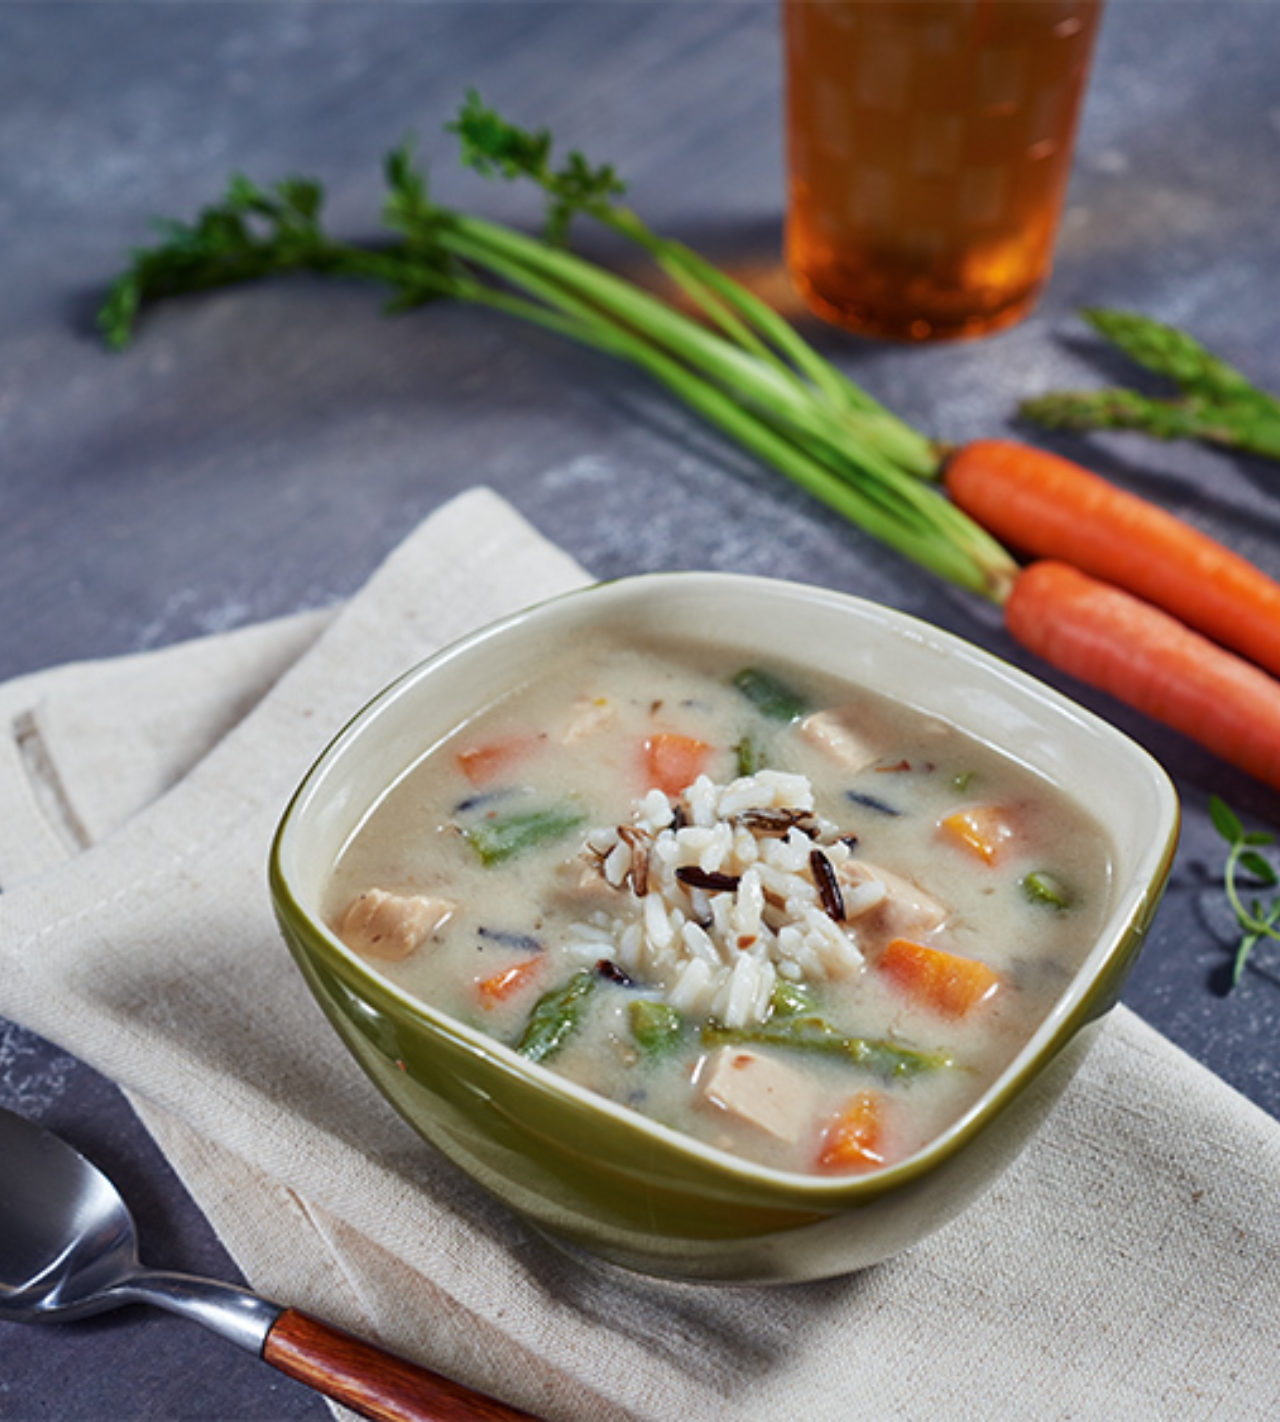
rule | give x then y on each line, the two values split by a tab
1113	641
1047	507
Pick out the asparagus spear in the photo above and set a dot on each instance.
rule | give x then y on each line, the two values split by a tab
813	1034
1216	402
556	1016
1167	351
497	840
771	696
655	1025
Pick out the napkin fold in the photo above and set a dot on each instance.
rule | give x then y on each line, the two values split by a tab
1121	1267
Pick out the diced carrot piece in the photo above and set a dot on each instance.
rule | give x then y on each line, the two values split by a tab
855	1139
481	763
673	762
501	985
944	981
983	830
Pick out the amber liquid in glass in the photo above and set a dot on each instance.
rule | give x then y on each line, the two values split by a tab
929	144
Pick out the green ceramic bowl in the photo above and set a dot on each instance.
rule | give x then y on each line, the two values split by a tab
595	1174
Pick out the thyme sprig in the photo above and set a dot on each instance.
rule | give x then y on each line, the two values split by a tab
1215	403
1258	920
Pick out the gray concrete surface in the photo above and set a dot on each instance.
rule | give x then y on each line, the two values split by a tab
259	450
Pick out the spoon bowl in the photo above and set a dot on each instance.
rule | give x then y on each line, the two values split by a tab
69	1249
66	1237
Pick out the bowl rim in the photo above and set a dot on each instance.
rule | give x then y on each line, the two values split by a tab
1074	1009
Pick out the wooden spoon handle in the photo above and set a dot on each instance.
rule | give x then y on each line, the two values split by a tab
370	1381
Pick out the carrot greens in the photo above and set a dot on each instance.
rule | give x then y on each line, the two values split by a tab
735	363
496	148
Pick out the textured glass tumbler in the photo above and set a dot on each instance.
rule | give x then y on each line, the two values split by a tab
929	145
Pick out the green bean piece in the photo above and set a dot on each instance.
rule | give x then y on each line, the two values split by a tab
792	999
498	839
655	1025
771	697
813	1034
750	756
556	1016
1042	887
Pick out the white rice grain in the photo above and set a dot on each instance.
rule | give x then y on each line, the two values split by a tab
699	944
657	922
617	864
654	811
691	986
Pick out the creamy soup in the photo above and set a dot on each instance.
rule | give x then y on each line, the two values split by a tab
776	912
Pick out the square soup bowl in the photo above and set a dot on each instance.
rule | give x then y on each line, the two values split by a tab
594	1174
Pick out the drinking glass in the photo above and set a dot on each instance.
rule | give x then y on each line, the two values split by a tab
928	146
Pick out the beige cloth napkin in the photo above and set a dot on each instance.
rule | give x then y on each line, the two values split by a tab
1127	1266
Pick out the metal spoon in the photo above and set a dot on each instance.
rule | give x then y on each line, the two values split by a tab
68	1249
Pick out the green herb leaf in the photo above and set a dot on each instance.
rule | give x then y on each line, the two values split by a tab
1256	865
496	148
1255	922
1225	820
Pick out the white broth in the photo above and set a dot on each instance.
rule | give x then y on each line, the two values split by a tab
769	909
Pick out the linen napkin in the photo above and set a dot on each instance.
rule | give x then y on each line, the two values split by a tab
1122	1267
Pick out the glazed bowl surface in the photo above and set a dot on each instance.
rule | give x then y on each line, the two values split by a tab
594	1174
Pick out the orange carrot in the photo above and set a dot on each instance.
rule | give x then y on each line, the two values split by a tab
854	1140
1147	659
481	763
502	984
983	830
1047	507
672	762
945	982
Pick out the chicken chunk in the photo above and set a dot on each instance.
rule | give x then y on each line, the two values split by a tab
759	1091
831	733
391	926
581	886
905	908
591	714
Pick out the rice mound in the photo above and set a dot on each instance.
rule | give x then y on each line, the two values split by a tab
718	896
